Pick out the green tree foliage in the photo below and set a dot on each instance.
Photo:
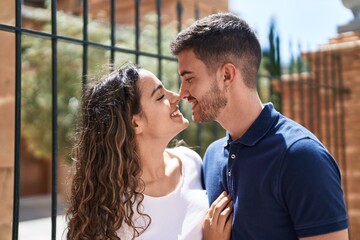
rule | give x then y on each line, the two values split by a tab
37	84
271	69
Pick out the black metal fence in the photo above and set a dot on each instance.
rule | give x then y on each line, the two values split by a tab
20	31
323	90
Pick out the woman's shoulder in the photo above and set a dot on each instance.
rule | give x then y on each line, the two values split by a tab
185	151
191	166
185	154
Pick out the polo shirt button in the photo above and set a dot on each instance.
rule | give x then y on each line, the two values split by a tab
233	156
229	173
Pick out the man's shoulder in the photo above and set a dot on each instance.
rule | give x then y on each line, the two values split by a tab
219	143
293	131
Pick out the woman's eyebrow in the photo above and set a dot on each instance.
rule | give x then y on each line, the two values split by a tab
156	88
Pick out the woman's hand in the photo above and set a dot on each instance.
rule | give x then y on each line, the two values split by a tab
218	220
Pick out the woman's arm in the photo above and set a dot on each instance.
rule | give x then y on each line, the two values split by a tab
218	220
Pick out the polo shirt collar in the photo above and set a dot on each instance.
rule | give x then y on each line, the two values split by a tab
260	127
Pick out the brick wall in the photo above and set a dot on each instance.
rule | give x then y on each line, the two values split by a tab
331	110
349	47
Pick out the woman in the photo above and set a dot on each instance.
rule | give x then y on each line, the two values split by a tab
127	184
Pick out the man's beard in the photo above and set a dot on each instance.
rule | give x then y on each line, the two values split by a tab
211	104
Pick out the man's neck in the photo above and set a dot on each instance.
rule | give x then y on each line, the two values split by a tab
239	115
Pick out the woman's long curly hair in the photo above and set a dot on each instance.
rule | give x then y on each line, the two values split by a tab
106	186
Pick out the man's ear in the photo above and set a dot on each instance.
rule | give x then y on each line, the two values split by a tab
228	72
136	124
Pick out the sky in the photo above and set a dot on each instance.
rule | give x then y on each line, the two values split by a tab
308	23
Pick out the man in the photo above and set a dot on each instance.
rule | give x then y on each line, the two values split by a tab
283	182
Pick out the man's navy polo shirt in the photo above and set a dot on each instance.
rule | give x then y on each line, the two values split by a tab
283	181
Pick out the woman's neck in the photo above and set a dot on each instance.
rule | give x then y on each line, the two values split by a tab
161	172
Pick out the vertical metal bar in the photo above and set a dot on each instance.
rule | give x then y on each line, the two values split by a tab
270	88
333	66
197	11
310	96
15	226
179	11
279	71
158	11
342	130
85	43
301	86
137	30
281	87
327	101
291	86
198	126
198	137
318	77
54	119
113	32
291	102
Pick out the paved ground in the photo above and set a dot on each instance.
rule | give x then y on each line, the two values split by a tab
39	206
35	220
40	229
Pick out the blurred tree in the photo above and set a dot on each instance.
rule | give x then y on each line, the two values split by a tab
36	84
271	69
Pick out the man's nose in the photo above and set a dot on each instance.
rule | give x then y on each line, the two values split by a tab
183	92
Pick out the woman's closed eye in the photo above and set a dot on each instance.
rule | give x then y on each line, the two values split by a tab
161	97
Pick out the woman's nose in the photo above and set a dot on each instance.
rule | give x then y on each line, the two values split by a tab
174	97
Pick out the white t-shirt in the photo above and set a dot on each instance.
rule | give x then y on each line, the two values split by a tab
180	214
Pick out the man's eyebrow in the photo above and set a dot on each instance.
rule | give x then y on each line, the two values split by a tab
185	72
155	89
